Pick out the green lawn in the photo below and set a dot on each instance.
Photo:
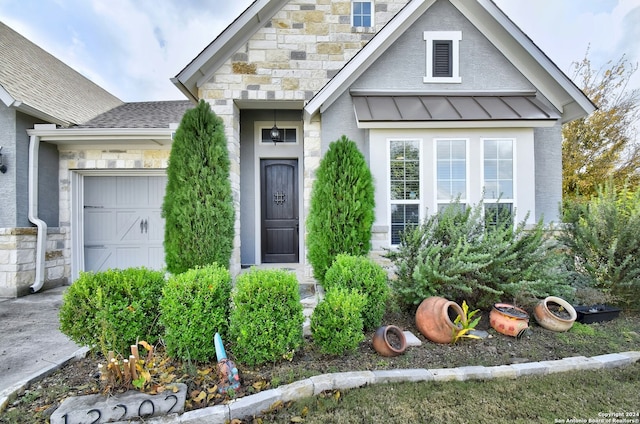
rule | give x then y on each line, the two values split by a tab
602	396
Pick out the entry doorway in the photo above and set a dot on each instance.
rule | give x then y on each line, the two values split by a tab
280	226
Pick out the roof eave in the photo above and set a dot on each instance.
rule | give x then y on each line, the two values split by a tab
369	53
238	33
68	135
579	98
36	113
529	123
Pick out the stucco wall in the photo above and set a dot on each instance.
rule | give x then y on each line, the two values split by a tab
548	159
8	211
403	66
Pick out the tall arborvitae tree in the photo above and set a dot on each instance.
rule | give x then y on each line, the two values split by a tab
198	204
342	207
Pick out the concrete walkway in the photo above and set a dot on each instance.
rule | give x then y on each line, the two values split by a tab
31	344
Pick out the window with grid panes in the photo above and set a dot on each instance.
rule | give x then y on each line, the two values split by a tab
361	15
404	186
498	181
451	172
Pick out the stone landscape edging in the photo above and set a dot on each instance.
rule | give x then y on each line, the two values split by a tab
257	404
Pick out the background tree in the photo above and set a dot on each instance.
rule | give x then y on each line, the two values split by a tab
198	205
604	145
342	203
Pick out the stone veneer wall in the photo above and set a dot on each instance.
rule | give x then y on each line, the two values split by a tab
291	58
18	260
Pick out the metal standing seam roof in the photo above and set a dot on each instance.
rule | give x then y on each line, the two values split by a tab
381	107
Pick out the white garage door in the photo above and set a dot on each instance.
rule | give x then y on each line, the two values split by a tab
123	226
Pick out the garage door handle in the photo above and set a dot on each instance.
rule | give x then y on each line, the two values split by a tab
146	226
141	226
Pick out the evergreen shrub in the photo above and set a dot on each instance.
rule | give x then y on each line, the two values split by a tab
194	306
113	309
341	211
454	254
365	276
336	322
266	316
603	235
198	203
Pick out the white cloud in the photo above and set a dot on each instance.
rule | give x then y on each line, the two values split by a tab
133	47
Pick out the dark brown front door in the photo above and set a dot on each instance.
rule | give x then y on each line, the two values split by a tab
279	192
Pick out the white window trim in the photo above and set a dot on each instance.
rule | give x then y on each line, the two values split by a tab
467	161
262	125
420	199
514	178
373	14
455	37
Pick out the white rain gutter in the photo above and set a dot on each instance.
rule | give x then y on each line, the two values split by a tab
41	238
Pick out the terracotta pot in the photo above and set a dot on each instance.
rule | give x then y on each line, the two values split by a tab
549	320
434	319
509	319
386	347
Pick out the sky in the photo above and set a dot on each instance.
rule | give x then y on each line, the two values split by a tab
133	47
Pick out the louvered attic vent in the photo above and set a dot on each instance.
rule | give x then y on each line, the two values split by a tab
442	58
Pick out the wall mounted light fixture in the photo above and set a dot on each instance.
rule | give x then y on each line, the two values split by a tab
3	167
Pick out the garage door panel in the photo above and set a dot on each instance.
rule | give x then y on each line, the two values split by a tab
156	257
123	225
99	225
157	189
132	191
130	226
155	227
98	258
98	191
131	257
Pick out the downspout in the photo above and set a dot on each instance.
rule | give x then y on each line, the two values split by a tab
41	238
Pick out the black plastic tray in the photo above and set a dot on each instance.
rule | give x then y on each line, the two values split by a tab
587	314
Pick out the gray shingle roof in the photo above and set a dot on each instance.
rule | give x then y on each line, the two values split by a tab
141	115
40	81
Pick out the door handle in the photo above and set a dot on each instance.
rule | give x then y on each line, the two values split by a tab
141	226
146	226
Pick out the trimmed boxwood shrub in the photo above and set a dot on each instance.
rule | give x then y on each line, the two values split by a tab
266	316
341	212
111	310
194	306
366	276
336	322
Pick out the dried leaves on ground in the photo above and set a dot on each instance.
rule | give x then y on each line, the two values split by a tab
622	334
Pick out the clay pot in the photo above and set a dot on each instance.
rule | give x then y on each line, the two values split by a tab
435	316
549	320
389	340
509	319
